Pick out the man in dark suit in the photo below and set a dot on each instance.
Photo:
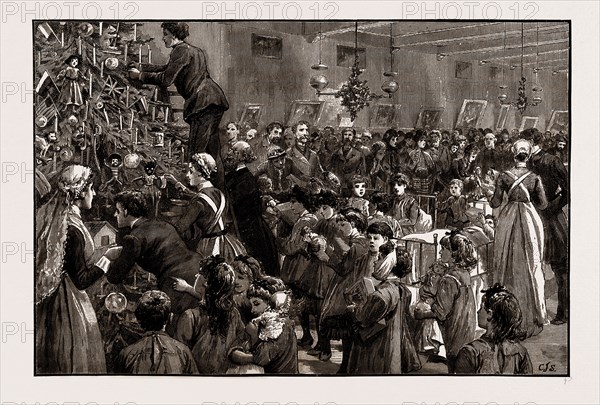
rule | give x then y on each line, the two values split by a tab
281	170
156	247
348	160
205	101
555	179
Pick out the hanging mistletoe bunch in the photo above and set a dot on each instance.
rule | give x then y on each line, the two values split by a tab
522	98
355	93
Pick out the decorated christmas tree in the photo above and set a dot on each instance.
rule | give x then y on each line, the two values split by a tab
88	111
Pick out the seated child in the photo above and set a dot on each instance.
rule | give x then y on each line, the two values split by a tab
429	336
499	350
455	207
272	343
156	352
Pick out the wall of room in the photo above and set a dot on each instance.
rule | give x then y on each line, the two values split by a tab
424	81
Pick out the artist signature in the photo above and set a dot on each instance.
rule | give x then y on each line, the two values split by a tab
547	367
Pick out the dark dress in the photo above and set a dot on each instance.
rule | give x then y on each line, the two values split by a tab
555	179
254	232
68	339
278	356
390	350
454	308
156	353
483	357
203	228
210	350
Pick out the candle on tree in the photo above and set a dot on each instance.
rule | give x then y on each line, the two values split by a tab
91	78
134	31
169	149
135	133
106	117
94	54
100	28
79	45
125	54
120	121
127	96
140	55
101	69
149	54
56	124
153	112
131	121
62	40
166	114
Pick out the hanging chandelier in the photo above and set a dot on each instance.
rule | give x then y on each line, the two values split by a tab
390	85
319	81
355	93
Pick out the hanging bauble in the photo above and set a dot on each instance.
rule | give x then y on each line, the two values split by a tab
100	105
41	121
85	29
537	99
111	63
131	160
115	302
502	97
57	148
72	120
66	154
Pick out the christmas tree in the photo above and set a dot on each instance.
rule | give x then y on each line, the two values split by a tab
89	112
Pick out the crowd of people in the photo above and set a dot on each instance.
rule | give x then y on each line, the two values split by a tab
306	230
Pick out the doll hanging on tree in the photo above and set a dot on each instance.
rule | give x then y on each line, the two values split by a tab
70	93
152	185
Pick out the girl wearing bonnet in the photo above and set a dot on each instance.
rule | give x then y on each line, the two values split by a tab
68	339
519	237
202	226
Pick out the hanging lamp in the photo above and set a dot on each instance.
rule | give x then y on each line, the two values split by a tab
319	81
390	85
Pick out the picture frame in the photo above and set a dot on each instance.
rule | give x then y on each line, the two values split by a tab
305	110
528	122
463	70
251	114
502	116
429	116
471	113
345	56
559	121
333	113
384	115
267	46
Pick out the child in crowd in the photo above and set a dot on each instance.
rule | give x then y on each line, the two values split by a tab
455	207
499	350
156	352
454	302
428	332
357	201
272	343
214	327
383	344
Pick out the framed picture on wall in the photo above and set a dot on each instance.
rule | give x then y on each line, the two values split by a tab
302	110
251	114
559	121
502	116
528	122
345	56
266	47
463	70
384	115
430	117
471	113
333	113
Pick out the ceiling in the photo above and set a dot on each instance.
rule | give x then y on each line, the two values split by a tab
497	43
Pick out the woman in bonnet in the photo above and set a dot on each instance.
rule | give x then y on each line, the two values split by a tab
202	226
519	238
68	339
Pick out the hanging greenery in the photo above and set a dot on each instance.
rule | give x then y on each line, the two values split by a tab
522	98
355	93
